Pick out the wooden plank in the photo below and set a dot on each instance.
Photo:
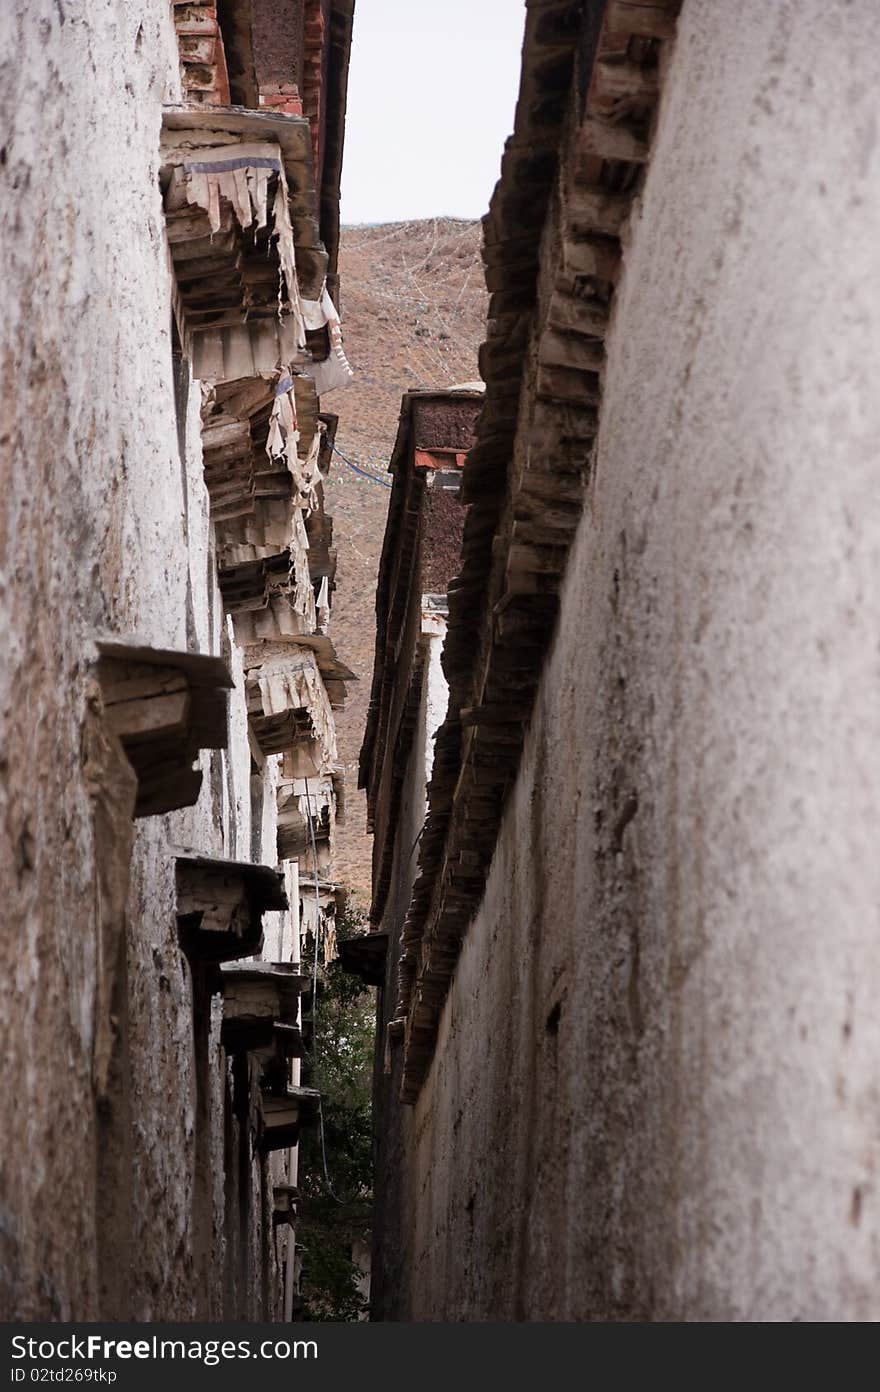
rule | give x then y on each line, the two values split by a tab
567	384
199	78
197	248
216	436
246	397
612	141
192	224
615	81
571	314
167	789
260	272
137	721
593	256
591	210
536	560
652	20
193	272
138	682
500	715
228	318
220	289
570	350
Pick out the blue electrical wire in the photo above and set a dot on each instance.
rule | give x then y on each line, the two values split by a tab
374	478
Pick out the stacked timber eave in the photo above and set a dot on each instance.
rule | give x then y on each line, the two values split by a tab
220	906
434	434
164	708
396	568
247	191
223	63
586	113
335	96
254	314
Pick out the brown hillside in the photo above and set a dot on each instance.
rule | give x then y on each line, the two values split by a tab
414	315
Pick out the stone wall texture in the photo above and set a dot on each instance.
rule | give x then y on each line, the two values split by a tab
103	528
655	1092
391	1122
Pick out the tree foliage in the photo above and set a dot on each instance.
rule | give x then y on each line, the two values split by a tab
335	1209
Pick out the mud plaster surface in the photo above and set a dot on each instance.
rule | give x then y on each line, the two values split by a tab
103	527
655	1090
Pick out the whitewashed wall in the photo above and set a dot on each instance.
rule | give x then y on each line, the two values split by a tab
655	1087
103	527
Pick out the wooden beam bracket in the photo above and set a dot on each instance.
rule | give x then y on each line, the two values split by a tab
164	707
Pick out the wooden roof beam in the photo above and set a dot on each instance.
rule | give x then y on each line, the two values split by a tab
220	906
256	997
282	1113
164	707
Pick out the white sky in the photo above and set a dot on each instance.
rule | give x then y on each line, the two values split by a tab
431	97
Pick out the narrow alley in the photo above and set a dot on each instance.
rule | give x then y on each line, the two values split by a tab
440	735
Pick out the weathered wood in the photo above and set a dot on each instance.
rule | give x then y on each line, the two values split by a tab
243	398
284	1198
159	715
234	433
256	996
220	289
571	314
197	19
567	384
219	455
655	20
612	141
192	225
138	681
487	715
220	906
197	48
525	489
364	956
187	252
535	560
163	707
254	272
165	788
570	350
228	318
613	81
594	256
288	1040
591	210
283	1113
195	271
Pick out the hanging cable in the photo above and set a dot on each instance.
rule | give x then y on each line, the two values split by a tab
327	1180
356	468
317	918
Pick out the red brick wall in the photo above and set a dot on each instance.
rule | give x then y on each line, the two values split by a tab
202	58
277	33
315	35
290	40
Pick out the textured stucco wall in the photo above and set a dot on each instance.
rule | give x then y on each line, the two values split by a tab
391	1122
655	1088
277	27
103	527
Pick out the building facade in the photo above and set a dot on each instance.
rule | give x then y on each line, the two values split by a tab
408	704
170	227
634	1037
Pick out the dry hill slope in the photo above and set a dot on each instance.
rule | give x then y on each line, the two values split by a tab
414	315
